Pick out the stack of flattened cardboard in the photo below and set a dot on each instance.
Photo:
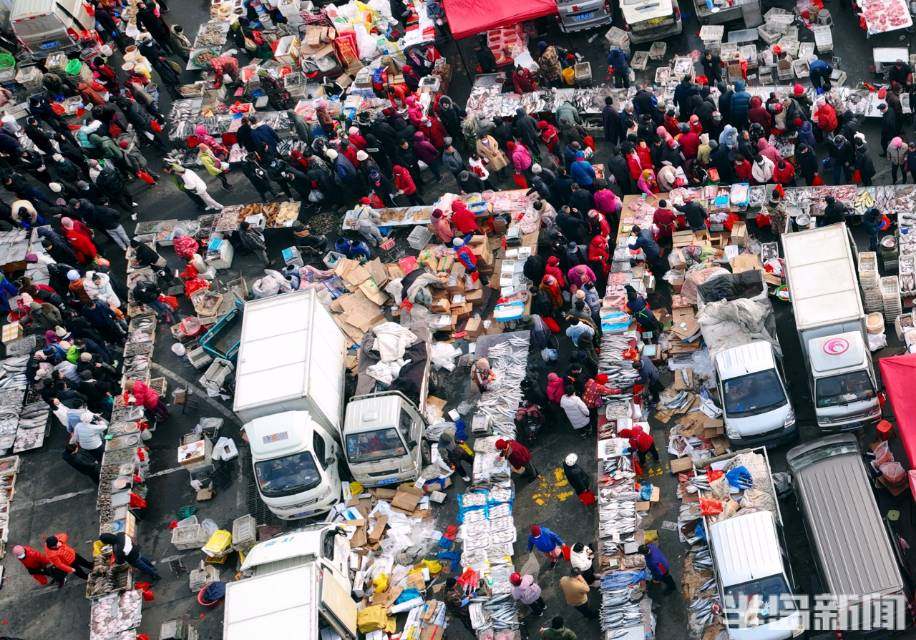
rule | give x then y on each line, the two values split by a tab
359	311
685	330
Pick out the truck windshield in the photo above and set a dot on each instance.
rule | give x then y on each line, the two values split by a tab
845	388
757	602
370	446
753	394
287	476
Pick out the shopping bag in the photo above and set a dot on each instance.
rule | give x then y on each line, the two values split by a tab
857	177
172	301
520	181
817	181
531	566
145	176
155	126
587	498
566	551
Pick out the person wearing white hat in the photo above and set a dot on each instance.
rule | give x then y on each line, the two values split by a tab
361	155
88	434
577	478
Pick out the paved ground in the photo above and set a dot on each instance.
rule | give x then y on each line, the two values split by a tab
51	497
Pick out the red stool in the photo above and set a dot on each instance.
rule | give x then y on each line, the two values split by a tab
884	429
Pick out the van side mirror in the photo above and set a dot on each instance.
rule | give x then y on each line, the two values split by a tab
329	461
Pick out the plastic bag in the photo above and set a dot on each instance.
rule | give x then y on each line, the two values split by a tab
710	507
893	472
209	526
443	356
740	478
531	566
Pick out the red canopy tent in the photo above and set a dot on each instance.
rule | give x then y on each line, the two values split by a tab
470	17
899	376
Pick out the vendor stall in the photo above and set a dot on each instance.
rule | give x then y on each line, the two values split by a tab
898	374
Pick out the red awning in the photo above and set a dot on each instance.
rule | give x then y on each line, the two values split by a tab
470	17
899	376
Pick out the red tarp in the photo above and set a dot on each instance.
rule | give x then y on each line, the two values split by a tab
899	376
469	17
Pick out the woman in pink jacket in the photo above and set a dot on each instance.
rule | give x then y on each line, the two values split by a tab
147	398
521	158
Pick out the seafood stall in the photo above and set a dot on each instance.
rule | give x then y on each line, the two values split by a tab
272	215
488	531
882	16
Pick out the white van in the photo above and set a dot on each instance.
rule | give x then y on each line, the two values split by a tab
650	20
383	439
295	464
755	404
752	579
44	27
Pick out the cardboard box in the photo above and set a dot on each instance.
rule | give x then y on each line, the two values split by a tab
407	498
746	262
375	535
474	296
473	327
739	234
679	465
684	323
359	538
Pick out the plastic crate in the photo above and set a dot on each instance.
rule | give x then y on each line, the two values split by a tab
657	50
823	39
187	538
419	237
244	532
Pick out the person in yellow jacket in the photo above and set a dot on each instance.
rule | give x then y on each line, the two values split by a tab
575	590
213	165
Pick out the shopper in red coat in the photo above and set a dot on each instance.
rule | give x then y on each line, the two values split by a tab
405	185
79	241
38	565
463	219
784	173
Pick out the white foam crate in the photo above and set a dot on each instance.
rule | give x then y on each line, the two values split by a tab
187	538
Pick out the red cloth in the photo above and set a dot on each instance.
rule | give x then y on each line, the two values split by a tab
898	373
640	440
470	17
635	166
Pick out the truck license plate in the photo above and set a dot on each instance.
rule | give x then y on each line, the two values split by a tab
584	17
656	21
388	481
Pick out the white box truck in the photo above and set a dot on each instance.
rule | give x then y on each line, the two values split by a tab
753	575
291	358
293	586
856	561
649	20
830	320
289	391
738	326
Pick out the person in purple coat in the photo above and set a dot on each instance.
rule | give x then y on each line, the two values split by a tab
425	151
658	565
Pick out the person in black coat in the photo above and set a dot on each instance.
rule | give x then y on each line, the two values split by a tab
573	228
864	165
125	550
610	118
581	200
834	212
725	101
81	461
259	179
889	127
724	163
806	162
575	475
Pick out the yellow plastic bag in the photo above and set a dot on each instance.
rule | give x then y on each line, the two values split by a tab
380	583
371	619
434	566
